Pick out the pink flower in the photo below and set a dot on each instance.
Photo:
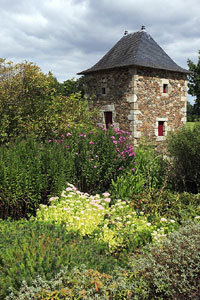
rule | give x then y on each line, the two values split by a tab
68	134
106	194
120	168
107	200
132	154
115	142
112	137
100	207
95	167
133	169
111	125
91	143
91	132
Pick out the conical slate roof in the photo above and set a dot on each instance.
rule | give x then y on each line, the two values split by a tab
136	49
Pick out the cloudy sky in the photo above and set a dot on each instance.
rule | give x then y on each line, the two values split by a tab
68	36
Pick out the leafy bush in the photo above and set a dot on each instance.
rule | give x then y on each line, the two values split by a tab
150	174
172	205
29	173
25	92
32	102
80	283
118	225
183	148
100	155
31	248
169	271
78	211
64	111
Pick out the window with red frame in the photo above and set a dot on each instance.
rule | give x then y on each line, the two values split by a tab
165	88
160	128
108	118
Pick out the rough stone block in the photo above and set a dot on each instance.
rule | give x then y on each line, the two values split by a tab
131	117
132	98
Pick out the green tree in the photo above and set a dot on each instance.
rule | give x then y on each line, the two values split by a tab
25	92
68	111
194	84
190	112
33	102
72	86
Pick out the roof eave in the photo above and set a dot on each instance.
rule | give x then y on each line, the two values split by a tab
134	65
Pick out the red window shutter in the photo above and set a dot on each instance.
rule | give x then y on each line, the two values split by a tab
160	128
165	88
108	118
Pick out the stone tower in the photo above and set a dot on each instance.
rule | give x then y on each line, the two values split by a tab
138	88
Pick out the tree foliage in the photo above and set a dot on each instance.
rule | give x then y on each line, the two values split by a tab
33	102
194	84
183	148
72	86
25	92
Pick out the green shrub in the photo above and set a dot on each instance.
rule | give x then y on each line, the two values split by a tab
119	225
29	172
149	175
172	270
178	206
30	248
32	102
99	155
80	283
169	271
183	148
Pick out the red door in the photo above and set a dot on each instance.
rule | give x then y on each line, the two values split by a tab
108	118
160	128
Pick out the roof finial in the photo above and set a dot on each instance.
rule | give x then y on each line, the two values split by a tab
125	32
143	28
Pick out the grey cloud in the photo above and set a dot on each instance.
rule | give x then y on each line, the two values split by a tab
67	36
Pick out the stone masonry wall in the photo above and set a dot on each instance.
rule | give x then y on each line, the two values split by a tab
118	86
152	105
136	99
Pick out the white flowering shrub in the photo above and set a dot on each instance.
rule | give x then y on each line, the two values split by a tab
118	225
79	211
